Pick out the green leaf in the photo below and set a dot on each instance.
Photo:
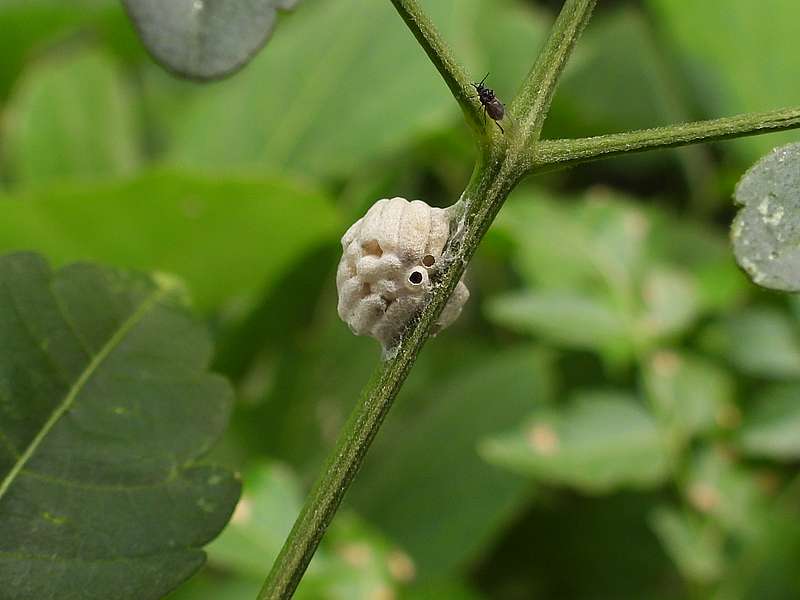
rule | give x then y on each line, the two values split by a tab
205	39
424	483
104	410
345	100
570	319
270	503
766	232
739	56
601	441
693	247
761	341
71	117
724	490
32	27
670	303
772	426
689	395
695	545
226	237
597	242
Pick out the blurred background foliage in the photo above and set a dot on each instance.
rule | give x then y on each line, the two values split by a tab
617	413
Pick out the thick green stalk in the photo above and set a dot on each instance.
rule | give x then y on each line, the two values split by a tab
494	177
553	154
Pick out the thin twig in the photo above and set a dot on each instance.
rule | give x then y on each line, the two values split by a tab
553	154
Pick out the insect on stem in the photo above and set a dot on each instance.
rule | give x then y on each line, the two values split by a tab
491	103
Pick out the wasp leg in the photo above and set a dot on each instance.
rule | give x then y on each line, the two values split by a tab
501	127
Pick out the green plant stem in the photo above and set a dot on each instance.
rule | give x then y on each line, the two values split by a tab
532	103
494	177
552	154
439	52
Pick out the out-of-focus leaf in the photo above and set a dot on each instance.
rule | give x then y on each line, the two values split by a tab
688	394
772	427
761	341
621	80
30	27
693	247
71	117
352	562
740	55
104	410
205	39
670	303
226	237
598	241
424	483
345	100
766	232
269	504
571	319
598	283
717	486
601	441
695	545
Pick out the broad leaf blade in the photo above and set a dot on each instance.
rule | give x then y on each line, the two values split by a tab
104	408
225	236
766	232
205	39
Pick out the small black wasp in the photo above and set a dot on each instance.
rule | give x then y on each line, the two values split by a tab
491	104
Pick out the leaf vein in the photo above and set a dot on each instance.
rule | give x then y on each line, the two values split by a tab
78	386
99	486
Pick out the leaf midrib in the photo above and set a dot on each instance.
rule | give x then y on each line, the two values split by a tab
77	387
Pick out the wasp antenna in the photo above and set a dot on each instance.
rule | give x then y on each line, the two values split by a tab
484	79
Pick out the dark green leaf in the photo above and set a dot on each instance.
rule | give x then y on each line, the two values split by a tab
205	39
599	442
226	237
104	410
71	117
772	427
766	232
